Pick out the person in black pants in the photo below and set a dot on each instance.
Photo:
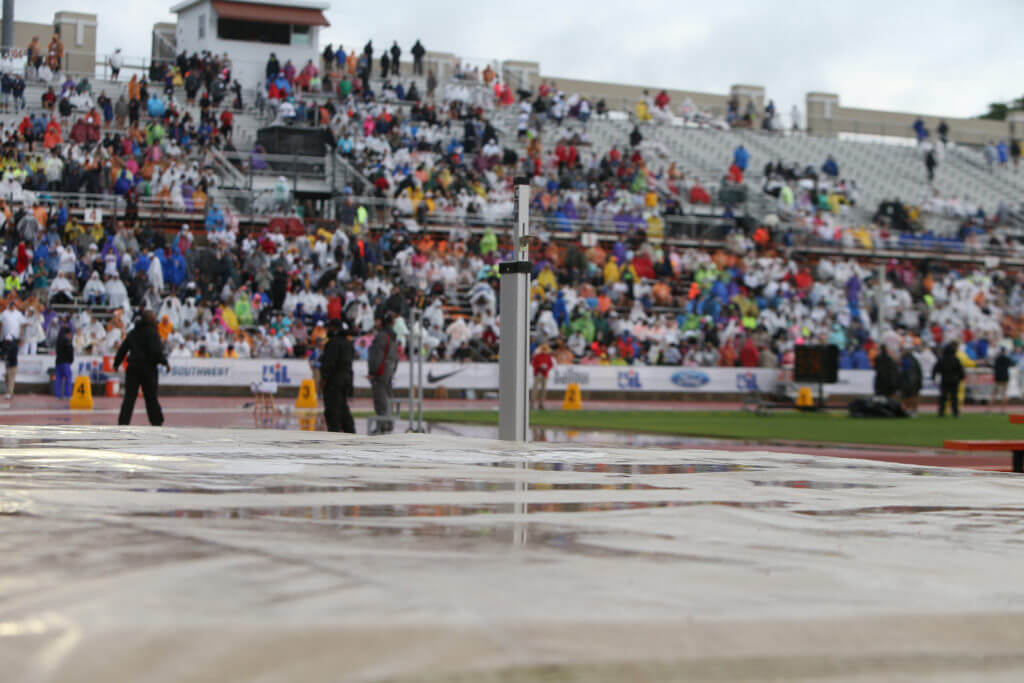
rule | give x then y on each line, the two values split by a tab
417	58
145	352
951	372
336	379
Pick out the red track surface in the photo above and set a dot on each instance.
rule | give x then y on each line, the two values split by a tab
233	412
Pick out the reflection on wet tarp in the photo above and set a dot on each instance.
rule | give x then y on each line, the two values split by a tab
187	536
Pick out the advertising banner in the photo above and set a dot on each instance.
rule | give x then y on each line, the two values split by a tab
220	372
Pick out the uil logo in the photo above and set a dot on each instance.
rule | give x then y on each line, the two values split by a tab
746	381
276	373
629	380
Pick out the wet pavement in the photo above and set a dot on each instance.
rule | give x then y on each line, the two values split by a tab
198	554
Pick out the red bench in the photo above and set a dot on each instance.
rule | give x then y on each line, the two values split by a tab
1015	447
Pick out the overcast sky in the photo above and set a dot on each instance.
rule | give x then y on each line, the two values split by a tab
939	57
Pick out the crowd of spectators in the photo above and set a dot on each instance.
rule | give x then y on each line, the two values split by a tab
621	296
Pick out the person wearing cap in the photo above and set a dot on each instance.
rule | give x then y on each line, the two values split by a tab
542	363
381	364
144	352
336	378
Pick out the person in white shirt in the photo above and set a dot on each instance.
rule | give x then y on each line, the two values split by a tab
116	61
33	333
12	327
117	295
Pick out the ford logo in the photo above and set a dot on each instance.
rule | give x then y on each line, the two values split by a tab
689	379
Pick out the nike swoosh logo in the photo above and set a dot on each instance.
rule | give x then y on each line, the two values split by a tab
432	378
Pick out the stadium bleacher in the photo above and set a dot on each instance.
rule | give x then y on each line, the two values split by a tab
623	247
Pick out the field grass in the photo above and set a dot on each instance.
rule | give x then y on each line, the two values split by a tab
925	430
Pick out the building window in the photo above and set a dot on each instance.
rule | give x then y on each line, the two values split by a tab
252	31
79	34
300	35
202	26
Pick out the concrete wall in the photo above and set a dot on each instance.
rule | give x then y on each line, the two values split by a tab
24	31
78	32
826	116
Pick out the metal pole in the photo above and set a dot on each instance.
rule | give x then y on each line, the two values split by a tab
7	32
419	370
881	302
412	352
514	415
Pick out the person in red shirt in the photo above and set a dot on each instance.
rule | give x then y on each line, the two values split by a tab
749	356
227	120
562	154
698	195
542	363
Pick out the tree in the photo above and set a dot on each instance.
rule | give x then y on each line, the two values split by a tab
996	112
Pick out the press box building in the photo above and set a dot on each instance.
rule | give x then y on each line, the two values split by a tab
249	31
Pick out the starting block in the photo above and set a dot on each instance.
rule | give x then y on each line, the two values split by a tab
307	395
81	394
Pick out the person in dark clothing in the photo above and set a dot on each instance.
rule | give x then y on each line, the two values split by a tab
943	132
336	378
1001	371
273	66
381	364
930	163
417	58
396	55
62	369
911	380
887	375
385	64
144	351
636	137
951	372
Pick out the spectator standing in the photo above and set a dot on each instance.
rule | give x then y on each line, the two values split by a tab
116	61
951	373
12	327
62	368
887	375
381	363
542	363
943	132
1001	373
417	58
741	157
911	380
396	56
930	162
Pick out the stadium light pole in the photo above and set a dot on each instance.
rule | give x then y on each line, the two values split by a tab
7	30
514	351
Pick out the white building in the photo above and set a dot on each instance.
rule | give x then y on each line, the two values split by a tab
249	31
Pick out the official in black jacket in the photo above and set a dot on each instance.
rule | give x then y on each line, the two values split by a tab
144	352
336	379
950	372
